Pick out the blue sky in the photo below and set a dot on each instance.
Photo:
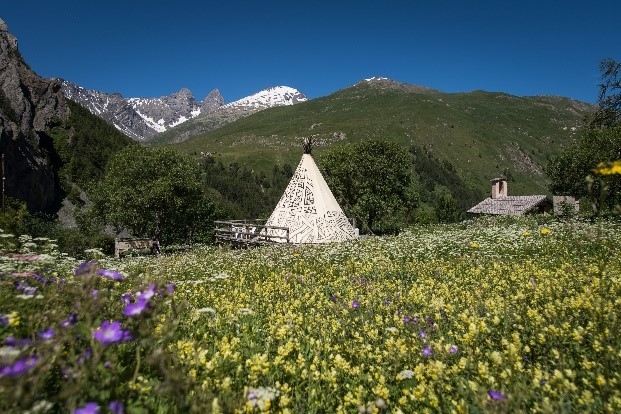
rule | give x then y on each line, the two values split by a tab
149	49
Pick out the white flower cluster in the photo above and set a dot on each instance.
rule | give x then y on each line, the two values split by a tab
259	397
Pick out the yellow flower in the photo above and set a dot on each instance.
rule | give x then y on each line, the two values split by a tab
13	319
545	231
608	168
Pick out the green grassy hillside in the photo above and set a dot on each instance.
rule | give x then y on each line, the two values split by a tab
482	134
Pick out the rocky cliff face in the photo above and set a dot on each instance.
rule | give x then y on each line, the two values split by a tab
142	118
29	105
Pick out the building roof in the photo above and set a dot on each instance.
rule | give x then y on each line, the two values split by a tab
510	205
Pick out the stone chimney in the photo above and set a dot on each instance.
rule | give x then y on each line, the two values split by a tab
499	187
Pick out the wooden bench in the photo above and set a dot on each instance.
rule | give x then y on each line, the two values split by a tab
125	245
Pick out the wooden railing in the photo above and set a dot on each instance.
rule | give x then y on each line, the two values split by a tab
249	232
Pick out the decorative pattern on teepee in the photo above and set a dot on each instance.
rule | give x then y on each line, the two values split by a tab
308	208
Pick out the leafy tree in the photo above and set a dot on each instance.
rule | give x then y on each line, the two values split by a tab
609	98
570	168
155	192
572	171
372	181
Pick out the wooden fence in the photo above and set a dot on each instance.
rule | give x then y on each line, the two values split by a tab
245	233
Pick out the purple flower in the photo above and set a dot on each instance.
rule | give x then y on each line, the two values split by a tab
89	408
116	407
136	308
87	354
453	349
4	320
94	293
126	298
110	274
85	268
407	319
71	320
47	334
170	288
496	395
19	367
12	341
111	332
426	351
29	290
148	293
334	298
422	335
355	304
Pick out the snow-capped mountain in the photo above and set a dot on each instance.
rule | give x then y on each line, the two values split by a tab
276	96
143	118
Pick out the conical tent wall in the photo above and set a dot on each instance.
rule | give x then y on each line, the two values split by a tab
308	208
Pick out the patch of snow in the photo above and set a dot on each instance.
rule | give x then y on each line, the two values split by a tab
181	120
374	78
276	96
150	122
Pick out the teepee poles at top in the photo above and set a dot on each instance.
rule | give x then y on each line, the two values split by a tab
308	145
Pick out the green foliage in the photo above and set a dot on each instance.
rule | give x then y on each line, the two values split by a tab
609	97
573	172
442	187
246	193
156	193
17	220
84	143
372	181
569	169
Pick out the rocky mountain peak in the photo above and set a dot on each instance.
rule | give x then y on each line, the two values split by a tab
29	105
212	101
182	94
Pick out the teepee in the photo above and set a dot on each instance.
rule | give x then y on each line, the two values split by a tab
308	208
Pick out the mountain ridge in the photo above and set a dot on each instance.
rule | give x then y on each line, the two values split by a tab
143	118
483	134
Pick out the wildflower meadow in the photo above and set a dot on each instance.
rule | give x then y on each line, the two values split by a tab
502	315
